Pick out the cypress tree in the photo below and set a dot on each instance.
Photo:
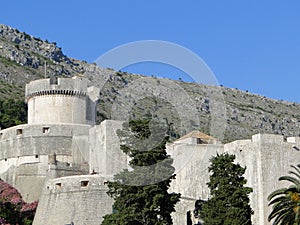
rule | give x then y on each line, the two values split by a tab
141	193
229	202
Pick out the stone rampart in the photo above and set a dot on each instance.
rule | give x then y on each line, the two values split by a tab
106	158
64	86
25	151
61	101
78	199
191	163
267	157
42	139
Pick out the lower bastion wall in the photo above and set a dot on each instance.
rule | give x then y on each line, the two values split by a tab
25	151
266	157
191	163
106	158
78	199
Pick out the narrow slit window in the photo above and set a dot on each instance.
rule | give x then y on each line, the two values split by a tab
58	185
19	131
53	80
84	183
199	141
46	130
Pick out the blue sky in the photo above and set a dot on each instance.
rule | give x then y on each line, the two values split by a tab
249	45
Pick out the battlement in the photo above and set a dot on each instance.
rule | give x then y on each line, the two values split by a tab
74	199
61	100
41	139
76	183
43	130
77	86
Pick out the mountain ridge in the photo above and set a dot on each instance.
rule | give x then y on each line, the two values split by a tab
23	58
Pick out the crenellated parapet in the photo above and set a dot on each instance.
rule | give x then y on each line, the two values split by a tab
77	86
61	100
40	139
57	92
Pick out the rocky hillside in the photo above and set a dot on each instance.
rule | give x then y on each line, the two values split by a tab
185	106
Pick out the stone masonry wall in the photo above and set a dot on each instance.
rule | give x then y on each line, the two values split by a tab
24	152
267	157
57	101
106	158
78	199
191	163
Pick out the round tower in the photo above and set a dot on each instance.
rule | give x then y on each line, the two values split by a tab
60	100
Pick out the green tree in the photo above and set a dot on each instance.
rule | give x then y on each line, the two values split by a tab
229	202
141	194
12	112
286	201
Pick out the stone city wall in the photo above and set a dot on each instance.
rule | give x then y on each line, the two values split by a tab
191	163
267	157
25	150
78	199
106	158
44	139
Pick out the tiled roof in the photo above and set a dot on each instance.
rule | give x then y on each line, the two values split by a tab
197	134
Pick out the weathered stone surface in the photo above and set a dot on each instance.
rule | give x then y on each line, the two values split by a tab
266	157
78	199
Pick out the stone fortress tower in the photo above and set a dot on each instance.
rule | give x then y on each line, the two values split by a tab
57	101
63	159
56	143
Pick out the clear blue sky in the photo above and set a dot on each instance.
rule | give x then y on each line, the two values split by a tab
249	45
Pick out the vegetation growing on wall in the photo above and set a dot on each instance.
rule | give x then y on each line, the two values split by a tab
141	194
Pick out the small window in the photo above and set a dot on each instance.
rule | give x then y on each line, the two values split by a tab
36	156
84	183
19	131
5	159
46	130
199	141
54	80
1	134
58	185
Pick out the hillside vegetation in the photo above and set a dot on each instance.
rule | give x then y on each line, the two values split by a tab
241	114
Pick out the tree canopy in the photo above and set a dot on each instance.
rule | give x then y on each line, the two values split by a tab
141	193
229	202
12	112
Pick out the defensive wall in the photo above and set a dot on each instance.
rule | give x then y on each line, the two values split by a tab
25	151
61	100
78	199
61	142
266	157
106	158
191	162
